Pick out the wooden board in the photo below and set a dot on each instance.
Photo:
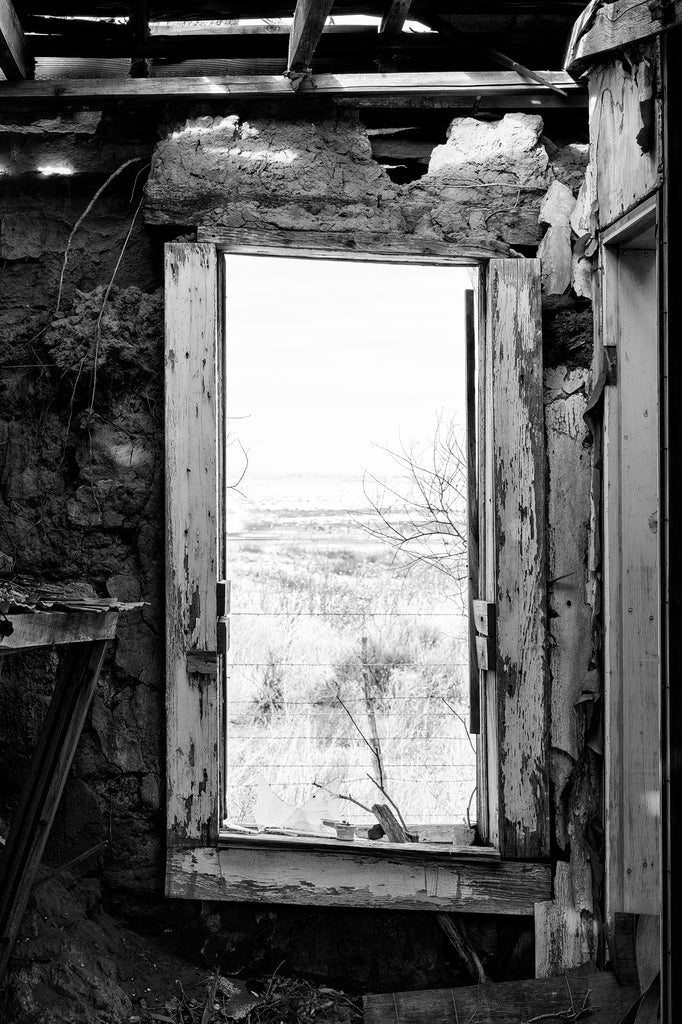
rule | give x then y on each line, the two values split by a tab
623	173
261	874
14	59
472	504
469	84
512	1002
632	658
40	629
516	558
565	935
192	539
347	245
52	759
616	26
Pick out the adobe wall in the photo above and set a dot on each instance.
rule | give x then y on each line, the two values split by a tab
81	495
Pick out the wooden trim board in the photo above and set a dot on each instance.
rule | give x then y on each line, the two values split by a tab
191	317
257	874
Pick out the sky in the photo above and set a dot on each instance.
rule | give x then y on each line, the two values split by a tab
328	361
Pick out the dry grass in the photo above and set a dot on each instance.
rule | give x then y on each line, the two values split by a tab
300	671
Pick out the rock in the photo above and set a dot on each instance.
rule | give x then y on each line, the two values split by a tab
569	163
556	257
557	206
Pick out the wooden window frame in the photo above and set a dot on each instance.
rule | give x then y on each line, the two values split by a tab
632	581
512	873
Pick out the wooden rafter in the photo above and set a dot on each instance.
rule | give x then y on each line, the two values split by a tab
13	55
307	27
395	16
446	28
138	19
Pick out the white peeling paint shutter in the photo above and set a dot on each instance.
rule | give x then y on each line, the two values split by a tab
514	692
191	315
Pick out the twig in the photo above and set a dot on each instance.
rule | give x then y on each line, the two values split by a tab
82	217
361	733
571	1014
343	796
461	719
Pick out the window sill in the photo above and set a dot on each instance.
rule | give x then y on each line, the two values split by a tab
326	872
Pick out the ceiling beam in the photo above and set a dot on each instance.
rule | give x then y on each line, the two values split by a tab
14	61
490	86
307	27
395	16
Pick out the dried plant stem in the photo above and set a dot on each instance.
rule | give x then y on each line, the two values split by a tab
98	329
82	217
343	796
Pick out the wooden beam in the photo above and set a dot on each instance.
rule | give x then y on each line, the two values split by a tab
508	1002
441	85
605	30
307	27
38	629
14	62
395	16
260	873
347	245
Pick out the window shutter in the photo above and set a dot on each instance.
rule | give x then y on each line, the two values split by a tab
191	281
514	692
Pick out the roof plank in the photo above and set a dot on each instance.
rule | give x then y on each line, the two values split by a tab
307	27
14	61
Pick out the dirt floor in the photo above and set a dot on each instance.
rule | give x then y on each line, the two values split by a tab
75	964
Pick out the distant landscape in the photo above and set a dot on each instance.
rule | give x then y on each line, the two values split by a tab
336	652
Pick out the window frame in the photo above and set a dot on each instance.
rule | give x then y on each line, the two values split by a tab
202	863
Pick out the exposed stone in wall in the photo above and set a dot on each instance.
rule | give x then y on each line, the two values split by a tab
485	183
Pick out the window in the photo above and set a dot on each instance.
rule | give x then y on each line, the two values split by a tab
512	804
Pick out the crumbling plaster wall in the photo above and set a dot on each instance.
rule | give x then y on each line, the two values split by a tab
81	474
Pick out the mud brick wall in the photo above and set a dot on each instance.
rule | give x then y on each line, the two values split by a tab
81	442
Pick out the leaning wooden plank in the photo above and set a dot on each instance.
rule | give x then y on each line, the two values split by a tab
395	16
261	874
511	1002
41	629
358	245
431	83
40	797
518	454
616	26
192	540
306	29
13	55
